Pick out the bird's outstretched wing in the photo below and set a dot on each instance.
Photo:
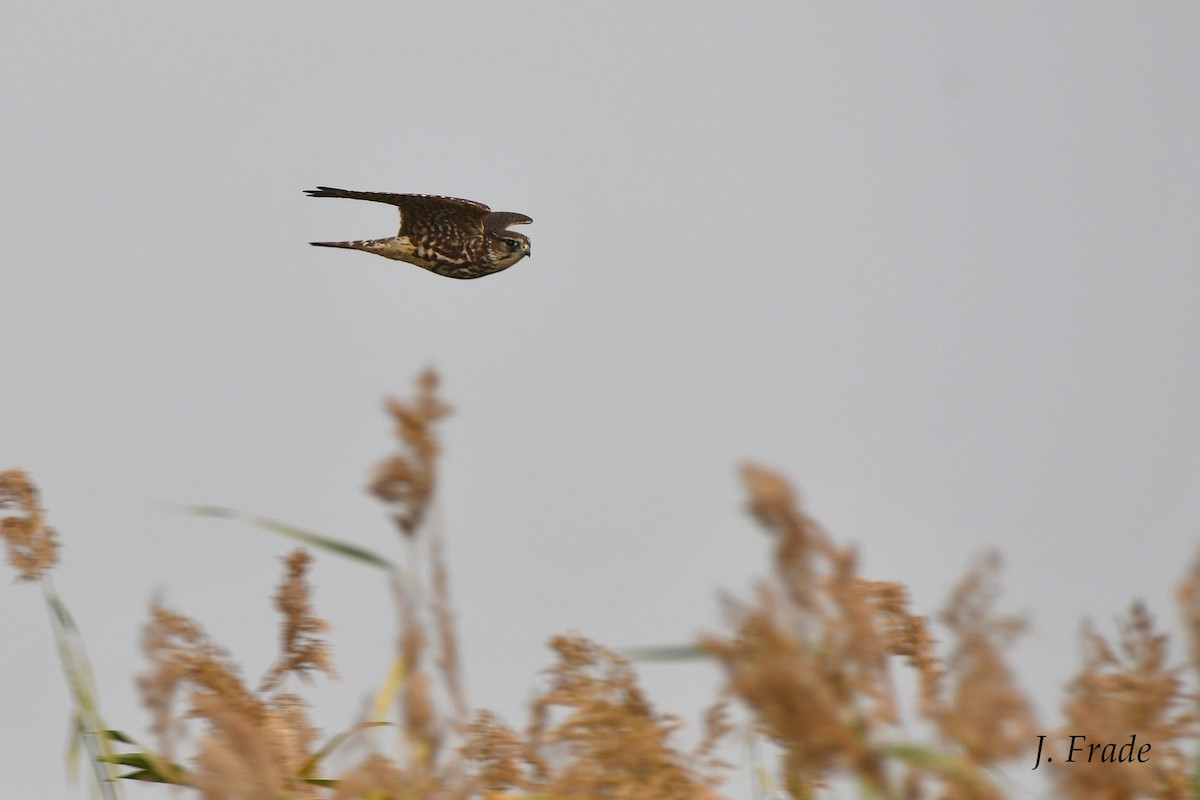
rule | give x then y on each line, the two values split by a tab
498	221
420	214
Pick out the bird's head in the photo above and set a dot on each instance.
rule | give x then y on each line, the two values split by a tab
507	247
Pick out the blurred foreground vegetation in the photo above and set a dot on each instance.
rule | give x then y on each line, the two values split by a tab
810	660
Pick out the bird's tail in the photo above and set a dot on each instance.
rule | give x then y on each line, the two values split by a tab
370	245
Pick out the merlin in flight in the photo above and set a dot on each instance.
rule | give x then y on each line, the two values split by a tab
452	237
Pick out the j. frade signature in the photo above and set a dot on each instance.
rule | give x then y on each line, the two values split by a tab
1080	750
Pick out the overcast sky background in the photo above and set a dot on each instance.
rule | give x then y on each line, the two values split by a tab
934	262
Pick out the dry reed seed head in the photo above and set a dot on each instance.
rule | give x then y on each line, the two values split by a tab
17	491
772	501
986	713
609	742
1123	690
290	712
907	635
835	615
160	685
799	540
498	755
407	480
251	755
376	778
810	660
447	637
181	656
302	649
716	728
179	653
795	691
1188	595
970	604
253	747
31	544
852	636
243	754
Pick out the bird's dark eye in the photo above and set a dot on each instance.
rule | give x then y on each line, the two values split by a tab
513	244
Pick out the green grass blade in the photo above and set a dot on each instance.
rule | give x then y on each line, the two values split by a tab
87	724
336	546
146	776
148	767
664	652
118	736
327	783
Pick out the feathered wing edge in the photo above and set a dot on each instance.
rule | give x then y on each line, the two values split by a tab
393	198
498	221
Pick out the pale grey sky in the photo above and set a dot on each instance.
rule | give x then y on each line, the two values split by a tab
936	263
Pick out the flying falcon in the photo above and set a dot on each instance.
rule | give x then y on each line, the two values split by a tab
452	237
